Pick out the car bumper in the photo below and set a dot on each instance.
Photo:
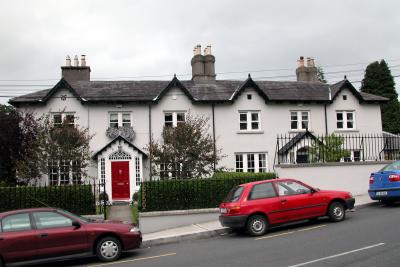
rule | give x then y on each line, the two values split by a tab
384	193
350	203
131	240
233	221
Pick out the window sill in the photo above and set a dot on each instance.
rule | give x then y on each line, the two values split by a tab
299	130
346	131
250	132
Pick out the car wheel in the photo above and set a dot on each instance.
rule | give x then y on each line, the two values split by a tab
336	212
257	225
108	249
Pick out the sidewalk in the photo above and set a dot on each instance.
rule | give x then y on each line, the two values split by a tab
171	227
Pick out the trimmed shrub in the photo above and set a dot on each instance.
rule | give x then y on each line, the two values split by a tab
229	175
190	194
77	199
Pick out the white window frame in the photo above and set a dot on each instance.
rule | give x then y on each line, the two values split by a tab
249	120
345	121
63	117
138	170
120	118
57	170
175	117
247	157
103	171
299	116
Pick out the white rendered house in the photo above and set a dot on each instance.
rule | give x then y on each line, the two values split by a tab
245	116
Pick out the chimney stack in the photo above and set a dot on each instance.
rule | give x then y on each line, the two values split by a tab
75	73
203	66
306	73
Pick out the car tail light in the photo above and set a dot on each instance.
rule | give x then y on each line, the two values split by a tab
234	210
394	178
371	179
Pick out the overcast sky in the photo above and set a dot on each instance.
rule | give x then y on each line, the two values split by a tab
141	39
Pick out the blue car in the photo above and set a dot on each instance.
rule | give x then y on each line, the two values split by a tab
384	185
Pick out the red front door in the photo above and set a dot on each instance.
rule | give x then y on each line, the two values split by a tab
120	180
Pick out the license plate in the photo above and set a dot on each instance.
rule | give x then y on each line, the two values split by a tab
381	193
223	210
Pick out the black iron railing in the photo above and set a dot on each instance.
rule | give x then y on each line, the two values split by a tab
307	147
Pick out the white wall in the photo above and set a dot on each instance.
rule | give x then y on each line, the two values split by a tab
353	177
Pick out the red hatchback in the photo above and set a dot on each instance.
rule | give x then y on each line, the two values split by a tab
47	234
257	205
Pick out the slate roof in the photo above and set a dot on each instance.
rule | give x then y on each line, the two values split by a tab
211	91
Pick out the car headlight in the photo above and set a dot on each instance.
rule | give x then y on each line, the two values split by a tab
135	229
350	195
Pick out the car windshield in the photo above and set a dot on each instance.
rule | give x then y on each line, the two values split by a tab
76	216
234	194
395	166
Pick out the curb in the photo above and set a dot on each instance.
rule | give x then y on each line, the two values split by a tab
179	238
177	212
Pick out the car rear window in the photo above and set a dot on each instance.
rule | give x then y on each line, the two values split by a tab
395	166
234	194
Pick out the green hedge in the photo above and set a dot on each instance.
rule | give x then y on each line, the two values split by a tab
78	199
190	194
229	175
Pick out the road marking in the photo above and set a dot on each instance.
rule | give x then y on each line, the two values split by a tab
311	228
138	259
292	232
338	255
271	236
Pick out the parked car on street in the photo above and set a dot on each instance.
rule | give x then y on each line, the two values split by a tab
46	234
256	206
384	184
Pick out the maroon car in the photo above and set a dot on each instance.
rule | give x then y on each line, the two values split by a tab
47	234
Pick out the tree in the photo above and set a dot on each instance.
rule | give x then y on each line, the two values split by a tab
328	150
185	151
378	80
321	75
28	143
9	143
66	149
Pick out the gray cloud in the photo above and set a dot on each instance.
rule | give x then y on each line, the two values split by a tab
155	37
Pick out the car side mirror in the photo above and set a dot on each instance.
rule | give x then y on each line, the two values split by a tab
76	224
314	190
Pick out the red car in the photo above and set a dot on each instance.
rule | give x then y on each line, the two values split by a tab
257	205
47	234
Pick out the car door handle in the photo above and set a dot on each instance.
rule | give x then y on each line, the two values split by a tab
44	235
283	201
1	238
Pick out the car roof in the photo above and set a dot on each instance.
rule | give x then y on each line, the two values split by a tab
269	180
3	214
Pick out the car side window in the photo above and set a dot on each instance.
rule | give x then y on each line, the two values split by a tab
16	222
289	188
264	190
48	219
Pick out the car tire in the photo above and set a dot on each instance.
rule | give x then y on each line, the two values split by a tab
1	262
108	249
336	212
257	225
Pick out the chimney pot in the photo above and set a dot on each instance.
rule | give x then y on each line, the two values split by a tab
83	60
197	50
68	61
301	62
76	61
207	50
